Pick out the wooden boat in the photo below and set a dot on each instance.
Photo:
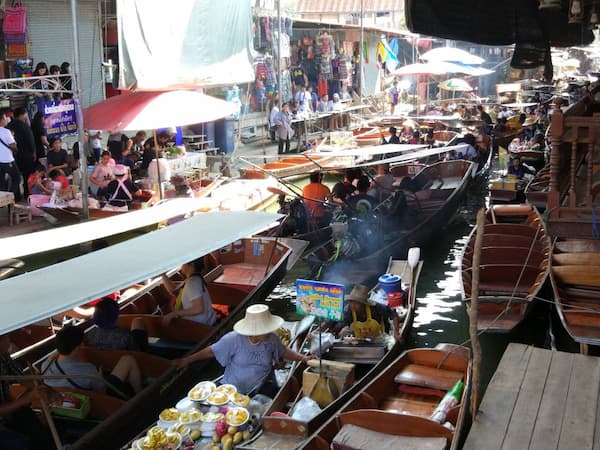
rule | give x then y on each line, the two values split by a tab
575	283
377	238
365	136
513	266
132	261
68	214
393	410
278	427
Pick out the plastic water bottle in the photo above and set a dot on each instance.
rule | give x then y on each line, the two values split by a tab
450	400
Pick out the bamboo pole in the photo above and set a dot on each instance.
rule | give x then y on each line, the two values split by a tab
47	414
473	313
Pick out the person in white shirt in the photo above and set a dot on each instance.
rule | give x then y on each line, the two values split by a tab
8	166
304	100
273	119
95	140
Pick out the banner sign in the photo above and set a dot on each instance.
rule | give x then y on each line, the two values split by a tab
59	117
324	300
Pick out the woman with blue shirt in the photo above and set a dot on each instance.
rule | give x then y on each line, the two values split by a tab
250	351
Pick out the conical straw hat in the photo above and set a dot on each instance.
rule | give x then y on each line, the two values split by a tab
258	321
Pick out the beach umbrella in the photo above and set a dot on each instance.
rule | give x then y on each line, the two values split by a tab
142	110
437	68
455	84
451	54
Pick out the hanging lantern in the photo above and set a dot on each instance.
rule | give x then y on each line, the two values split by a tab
575	11
550	4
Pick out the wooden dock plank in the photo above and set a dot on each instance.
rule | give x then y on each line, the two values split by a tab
579	420
495	411
546	432
528	402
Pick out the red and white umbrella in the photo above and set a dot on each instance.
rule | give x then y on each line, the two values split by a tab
143	110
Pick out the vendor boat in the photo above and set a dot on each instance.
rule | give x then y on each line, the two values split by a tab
576	286
350	366
399	407
513	266
359	252
140	259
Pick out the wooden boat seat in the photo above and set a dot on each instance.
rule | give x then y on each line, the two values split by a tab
402	405
506	255
505	240
178	330
214	273
577	275
242	274
513	210
388	425
150	365
358	438
576	293
577	246
429	377
513	229
583	258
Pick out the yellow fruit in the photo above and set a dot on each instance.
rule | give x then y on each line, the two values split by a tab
232	430
195	435
227	444
237	437
215	447
246	435
216	438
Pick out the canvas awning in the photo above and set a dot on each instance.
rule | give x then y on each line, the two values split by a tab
55	238
45	292
184	44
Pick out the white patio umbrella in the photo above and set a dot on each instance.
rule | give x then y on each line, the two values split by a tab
451	54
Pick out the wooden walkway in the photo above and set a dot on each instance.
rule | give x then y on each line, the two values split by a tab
539	399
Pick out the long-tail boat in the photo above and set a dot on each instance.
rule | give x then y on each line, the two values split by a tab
362	252
279	428
259	264
513	266
396	408
575	283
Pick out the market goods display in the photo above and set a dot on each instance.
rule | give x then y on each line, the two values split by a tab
158	438
211	417
284	334
202	390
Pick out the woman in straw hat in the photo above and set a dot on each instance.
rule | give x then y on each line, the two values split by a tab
363	319
249	352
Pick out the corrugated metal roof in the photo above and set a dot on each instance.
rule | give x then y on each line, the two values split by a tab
347	6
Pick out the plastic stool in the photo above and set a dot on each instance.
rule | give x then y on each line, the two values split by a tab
21	212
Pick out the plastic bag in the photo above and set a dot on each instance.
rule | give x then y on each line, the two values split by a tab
327	341
305	409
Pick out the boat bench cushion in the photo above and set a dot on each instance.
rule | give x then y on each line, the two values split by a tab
429	377
352	437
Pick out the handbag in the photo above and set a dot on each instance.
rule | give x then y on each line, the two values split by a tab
15	18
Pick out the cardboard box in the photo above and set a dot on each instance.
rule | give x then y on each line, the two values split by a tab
340	374
504	183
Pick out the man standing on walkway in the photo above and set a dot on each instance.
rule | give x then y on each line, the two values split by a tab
26	151
8	166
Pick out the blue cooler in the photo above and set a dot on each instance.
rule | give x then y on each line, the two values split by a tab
390	283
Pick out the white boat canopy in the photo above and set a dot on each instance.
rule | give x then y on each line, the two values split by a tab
43	293
43	241
370	150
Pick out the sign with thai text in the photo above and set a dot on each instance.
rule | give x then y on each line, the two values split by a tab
324	300
59	117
